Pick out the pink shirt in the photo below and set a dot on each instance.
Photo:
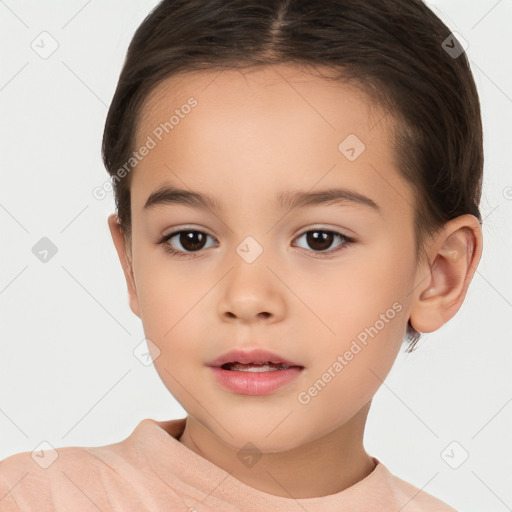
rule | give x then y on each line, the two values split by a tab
152	471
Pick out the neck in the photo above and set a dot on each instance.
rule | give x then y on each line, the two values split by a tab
327	465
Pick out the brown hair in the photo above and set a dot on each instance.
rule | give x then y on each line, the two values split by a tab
398	51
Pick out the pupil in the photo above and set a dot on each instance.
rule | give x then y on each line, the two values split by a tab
319	242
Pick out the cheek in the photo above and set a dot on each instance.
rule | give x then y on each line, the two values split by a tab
365	305
348	373
170	303
353	295
167	295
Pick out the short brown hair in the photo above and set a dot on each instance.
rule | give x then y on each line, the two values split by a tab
398	51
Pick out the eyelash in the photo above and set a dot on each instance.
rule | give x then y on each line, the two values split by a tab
321	254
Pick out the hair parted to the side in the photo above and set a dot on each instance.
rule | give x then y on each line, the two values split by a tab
391	49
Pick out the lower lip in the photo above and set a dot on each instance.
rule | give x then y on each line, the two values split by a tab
255	383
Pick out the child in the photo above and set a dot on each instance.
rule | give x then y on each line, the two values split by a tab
297	187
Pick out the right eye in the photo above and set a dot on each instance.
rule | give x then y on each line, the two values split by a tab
190	240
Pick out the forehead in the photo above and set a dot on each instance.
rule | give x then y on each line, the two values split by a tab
257	130
297	86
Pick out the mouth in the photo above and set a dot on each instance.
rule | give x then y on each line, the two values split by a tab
255	360
256	367
254	372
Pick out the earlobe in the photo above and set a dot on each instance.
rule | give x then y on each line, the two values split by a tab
125	259
445	278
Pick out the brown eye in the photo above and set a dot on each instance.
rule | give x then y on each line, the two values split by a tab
184	242
320	240
192	240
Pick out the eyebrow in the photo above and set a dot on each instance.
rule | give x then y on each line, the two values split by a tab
168	195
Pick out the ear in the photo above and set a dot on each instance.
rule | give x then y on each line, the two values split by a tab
124	254
444	278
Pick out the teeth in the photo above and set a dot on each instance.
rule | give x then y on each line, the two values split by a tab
255	367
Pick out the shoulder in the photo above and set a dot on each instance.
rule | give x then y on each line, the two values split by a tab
112	477
411	498
30	478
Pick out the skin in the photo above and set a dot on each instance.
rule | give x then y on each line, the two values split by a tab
254	134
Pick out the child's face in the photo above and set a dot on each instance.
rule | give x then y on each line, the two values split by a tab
250	138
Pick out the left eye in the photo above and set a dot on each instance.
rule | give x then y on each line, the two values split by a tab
320	239
192	241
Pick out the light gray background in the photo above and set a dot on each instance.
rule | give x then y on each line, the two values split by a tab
68	374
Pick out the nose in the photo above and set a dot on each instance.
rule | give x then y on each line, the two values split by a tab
251	293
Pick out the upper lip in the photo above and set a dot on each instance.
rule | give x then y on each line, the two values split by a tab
251	356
